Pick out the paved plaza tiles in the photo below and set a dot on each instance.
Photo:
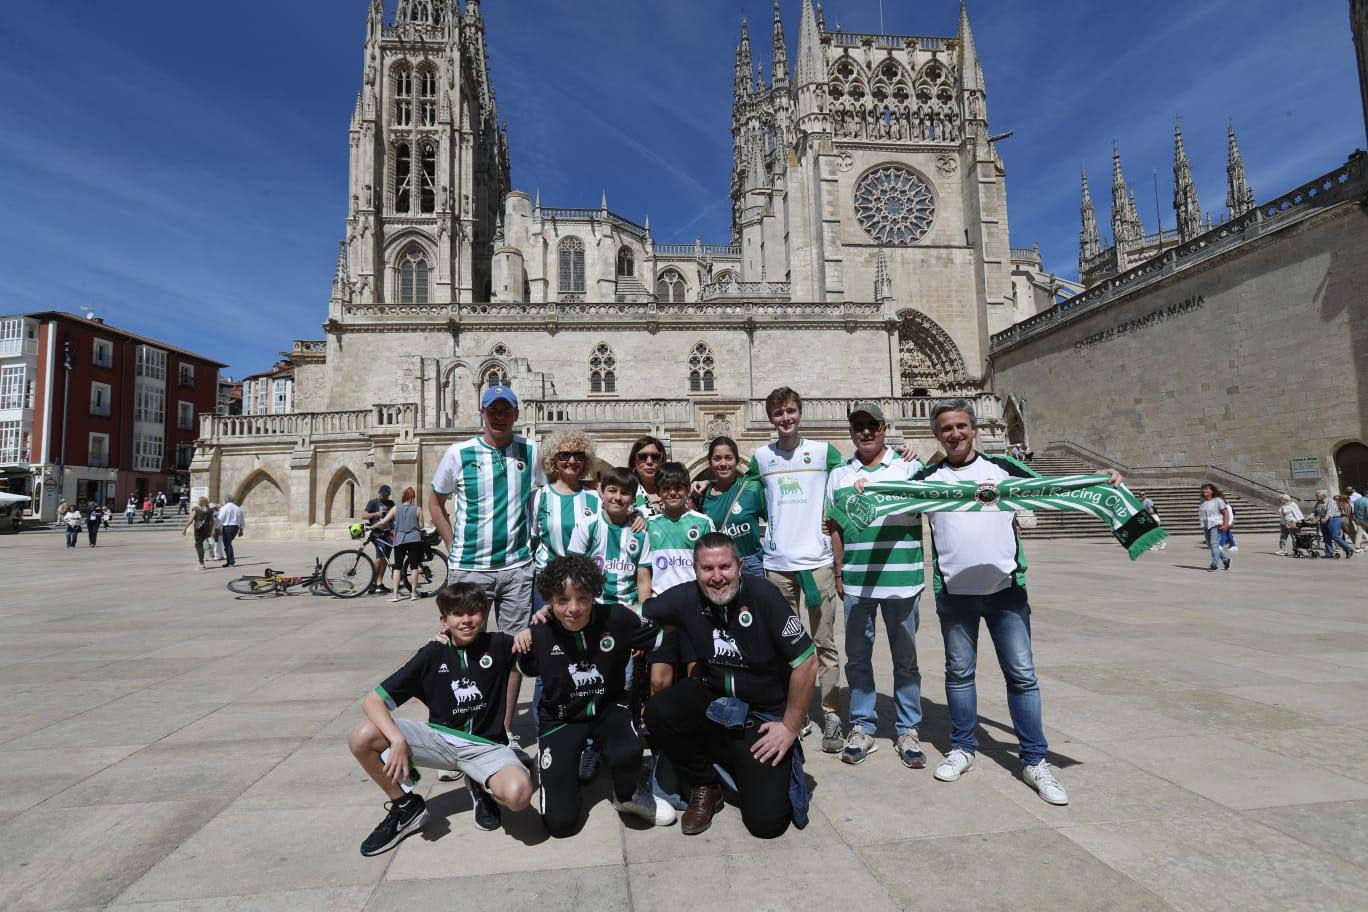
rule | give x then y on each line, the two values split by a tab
165	746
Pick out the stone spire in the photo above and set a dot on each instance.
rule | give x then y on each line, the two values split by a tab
741	81
759	81
1185	205
883	285
821	19
1126	226
1239	197
756	178
975	106
1089	239
1358	24
809	76
341	282
779	53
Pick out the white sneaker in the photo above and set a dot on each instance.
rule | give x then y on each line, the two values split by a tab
449	775
1041	778
955	764
1280	553
648	807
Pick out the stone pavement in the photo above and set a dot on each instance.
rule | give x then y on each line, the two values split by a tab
166	746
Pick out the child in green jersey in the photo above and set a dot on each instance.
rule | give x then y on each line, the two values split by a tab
620	552
674	531
736	505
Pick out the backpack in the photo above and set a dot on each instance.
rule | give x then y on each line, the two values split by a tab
204	525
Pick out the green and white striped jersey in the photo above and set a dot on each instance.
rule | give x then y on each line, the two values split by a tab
491	523
672	544
619	553
885	560
554	517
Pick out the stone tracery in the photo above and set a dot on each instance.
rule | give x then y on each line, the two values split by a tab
894	205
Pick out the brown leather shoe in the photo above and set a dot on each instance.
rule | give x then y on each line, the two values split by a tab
704	802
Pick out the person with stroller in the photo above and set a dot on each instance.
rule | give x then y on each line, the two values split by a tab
1289	517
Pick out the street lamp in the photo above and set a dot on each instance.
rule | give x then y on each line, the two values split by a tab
67	364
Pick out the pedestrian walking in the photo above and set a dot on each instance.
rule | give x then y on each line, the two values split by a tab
1289	517
1148	503
161	506
71	521
1330	520
213	546
1216	517
202	521
94	516
131	509
183	503
1359	507
147	509
234	524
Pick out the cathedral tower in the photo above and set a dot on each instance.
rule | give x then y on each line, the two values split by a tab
428	166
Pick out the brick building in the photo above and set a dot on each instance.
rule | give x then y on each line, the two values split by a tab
92	412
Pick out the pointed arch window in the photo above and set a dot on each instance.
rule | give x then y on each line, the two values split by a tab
494	375
602	369
427	199
413	276
570	257
702	378
403	178
427	97
403	95
626	263
670	287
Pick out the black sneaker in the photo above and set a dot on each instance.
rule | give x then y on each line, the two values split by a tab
588	762
1226	563
406	816
487	816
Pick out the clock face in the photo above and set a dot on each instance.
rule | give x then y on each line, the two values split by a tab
894	205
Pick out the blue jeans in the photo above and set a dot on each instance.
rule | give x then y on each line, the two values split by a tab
72	533
1228	539
229	533
1007	615
753	565
1213	540
1331	535
900	622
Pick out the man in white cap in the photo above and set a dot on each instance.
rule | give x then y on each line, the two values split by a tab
492	478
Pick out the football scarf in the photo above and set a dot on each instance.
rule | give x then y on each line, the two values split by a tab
1115	505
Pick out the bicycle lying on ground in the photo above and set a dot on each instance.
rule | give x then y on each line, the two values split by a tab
350	573
275	581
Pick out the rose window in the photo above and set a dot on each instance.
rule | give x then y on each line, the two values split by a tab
894	205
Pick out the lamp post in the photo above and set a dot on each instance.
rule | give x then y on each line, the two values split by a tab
67	365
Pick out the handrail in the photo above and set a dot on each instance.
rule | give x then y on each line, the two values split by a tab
1228	479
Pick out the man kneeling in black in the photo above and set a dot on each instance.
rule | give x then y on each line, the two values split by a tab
753	690
582	653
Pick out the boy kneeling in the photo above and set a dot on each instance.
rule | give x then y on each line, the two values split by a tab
581	654
464	684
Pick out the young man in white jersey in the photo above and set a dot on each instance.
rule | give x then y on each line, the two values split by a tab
882	569
980	575
798	556
493	478
674	531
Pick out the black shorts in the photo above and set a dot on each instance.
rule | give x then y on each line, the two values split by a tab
667	653
408	556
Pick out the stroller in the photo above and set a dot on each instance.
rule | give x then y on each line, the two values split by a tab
1306	540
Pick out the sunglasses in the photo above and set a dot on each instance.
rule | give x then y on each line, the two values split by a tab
649	457
865	427
567	456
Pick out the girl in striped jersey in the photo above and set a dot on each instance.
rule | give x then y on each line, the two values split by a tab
565	502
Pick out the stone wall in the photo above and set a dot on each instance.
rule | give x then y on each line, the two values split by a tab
1246	361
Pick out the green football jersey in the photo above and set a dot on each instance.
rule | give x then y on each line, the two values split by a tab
619	553
738	513
672	544
555	516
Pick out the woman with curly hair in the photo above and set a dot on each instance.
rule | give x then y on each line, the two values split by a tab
564	503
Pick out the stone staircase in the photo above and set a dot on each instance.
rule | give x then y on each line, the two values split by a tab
1177	505
631	291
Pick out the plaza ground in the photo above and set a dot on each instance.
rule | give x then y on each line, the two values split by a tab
166	746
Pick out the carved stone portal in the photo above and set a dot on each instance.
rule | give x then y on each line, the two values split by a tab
928	358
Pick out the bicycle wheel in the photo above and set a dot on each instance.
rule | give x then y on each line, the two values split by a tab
432	572
348	574
252	585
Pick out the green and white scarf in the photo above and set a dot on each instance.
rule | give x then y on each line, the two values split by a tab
1115	505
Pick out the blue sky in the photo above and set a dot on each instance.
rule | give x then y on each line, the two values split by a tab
181	167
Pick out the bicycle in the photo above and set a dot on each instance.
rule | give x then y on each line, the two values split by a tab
275	581
350	573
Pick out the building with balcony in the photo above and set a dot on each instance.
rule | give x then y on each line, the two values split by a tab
92	412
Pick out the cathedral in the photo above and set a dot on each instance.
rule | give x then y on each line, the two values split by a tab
869	256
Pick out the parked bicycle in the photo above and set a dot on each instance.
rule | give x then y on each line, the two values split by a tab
276	582
351	573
